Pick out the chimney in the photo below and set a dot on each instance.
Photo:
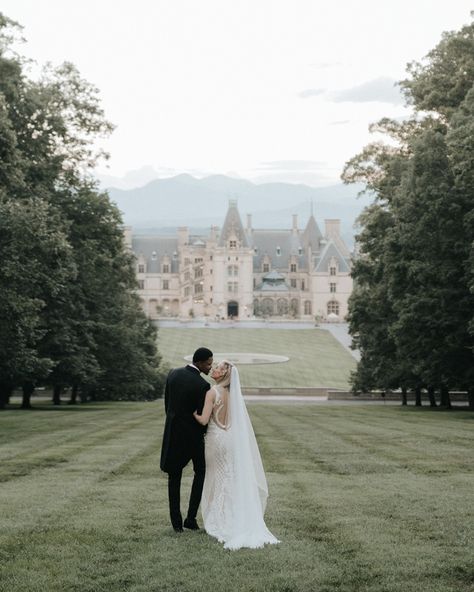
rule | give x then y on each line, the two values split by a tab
333	228
127	236
183	236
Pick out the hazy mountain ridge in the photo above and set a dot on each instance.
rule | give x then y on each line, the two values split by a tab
184	200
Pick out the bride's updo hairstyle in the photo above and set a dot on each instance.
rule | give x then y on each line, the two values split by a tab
224	380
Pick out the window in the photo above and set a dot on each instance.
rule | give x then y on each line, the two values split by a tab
300	251
293	267
333	307
267	307
302	285
307	307
153	255
198	260
198	272
278	251
198	288
266	267
166	285
232	287
332	287
166	268
332	270
255	250
232	244
232	270
186	291
210	258
294	307
187	276
141	284
293	283
141	268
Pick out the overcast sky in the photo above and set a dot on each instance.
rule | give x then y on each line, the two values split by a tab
263	89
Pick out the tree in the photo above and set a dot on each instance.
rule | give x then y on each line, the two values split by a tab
415	275
62	244
36	264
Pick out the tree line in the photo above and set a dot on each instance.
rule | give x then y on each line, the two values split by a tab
69	313
411	313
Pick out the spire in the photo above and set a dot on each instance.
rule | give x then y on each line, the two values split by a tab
233	226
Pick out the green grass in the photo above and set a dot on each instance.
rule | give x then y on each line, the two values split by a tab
316	357
373	499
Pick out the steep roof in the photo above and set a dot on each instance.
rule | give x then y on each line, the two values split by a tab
266	242
153	249
311	235
330	251
232	226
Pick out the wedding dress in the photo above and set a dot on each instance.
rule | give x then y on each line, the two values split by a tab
235	488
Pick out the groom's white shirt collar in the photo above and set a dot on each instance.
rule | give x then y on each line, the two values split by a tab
195	367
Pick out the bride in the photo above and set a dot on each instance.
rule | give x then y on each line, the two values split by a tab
235	488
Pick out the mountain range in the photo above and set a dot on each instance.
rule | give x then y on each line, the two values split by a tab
163	204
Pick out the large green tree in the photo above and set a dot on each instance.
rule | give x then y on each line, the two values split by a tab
71	315
414	276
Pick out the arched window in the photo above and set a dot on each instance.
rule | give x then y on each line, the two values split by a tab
307	307
282	307
294	307
333	307
256	307
267	307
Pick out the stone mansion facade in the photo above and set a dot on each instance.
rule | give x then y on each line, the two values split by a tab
241	273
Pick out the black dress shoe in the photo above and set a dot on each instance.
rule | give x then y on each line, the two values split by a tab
178	528
191	524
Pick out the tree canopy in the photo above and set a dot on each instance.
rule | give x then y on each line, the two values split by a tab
69	313
412	310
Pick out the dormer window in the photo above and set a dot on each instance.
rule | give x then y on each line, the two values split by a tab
332	270
300	251
166	268
255	250
153	255
293	267
141	268
278	251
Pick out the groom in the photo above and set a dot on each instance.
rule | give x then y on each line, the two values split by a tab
183	437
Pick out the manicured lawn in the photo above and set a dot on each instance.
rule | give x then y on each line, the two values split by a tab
316	357
373	499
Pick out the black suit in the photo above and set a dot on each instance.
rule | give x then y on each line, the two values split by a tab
183	437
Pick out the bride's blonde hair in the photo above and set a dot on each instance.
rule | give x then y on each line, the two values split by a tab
224	380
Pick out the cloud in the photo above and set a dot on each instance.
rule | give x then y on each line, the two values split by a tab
309	172
311	92
325	65
291	165
341	122
381	90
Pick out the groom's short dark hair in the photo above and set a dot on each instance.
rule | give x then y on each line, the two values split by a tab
202	354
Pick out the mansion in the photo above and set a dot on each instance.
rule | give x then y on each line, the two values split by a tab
239	272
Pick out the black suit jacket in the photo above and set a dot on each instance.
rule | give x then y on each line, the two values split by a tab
185	392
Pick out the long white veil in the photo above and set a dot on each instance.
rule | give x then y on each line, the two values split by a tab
250	490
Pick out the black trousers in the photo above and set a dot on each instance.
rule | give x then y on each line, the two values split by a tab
174	489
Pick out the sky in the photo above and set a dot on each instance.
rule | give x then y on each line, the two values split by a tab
267	90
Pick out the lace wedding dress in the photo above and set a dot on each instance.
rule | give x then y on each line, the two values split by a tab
235	488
